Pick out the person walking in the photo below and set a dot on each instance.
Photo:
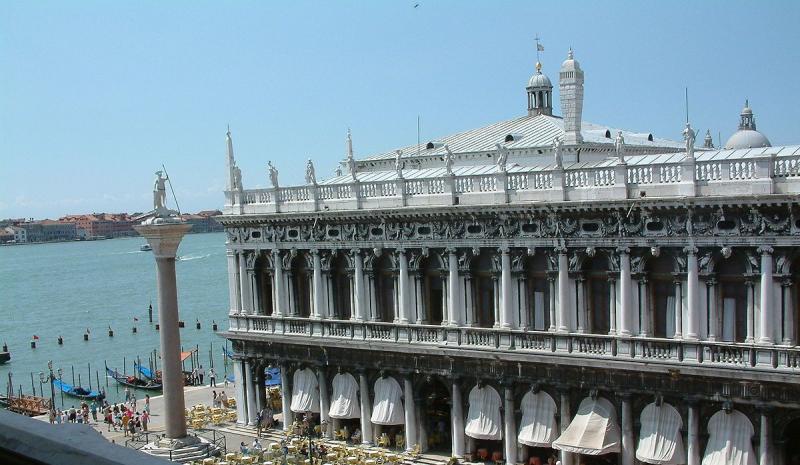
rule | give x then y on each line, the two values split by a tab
127	394
51	415
201	373
94	411
212	377
147	403
125	420
133	401
145	418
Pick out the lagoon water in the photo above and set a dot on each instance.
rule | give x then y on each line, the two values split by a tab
66	288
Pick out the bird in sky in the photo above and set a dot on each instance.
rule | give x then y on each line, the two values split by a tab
416	5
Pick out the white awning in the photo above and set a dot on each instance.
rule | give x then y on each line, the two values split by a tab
344	403
593	431
483	419
660	440
730	438
388	406
538	425
305	392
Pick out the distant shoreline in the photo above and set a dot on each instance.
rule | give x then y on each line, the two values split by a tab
5	244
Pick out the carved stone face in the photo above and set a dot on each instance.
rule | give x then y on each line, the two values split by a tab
726	252
655	251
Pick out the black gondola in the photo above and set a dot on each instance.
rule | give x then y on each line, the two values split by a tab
134	382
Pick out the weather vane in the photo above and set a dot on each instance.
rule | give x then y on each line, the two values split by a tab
539	48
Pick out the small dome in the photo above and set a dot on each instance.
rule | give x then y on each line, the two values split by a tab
747	139
539	80
570	64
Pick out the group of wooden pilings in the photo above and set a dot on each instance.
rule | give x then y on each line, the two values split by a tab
134	330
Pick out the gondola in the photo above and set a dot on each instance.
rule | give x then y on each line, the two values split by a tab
134	382
78	391
156	377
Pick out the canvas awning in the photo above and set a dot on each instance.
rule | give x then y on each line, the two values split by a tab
593	431
538	425
660	440
305	392
483	418
388	406
730	438
344	402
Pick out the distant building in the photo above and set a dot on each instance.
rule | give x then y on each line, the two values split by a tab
203	221
102	224
19	235
49	231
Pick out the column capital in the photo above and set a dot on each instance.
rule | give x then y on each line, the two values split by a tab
690	250
504	249
623	250
355	252
560	250
400	251
452	250
314	251
787	282
765	250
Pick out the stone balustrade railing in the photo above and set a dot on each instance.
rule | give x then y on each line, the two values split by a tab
755	175
771	358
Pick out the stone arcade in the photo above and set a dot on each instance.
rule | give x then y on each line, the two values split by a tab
599	294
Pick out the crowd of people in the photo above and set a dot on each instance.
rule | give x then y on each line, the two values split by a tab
121	417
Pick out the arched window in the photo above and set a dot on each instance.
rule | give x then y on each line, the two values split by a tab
597	295
433	289
384	289
661	288
735	289
301	286
484	283
537	292
340	278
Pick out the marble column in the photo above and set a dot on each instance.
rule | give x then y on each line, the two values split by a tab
509	423
767	308
693	435
317	310
644	304
255	308
250	394
286	398
612	306
366	410
506	309
469	309
582	310
551	282
692	294
628	453
751	313
241	393
410	413
678	310
245	284
765	440
788	313
457	421
233	282
324	402
625	292
402	302
164	237
566	418
279	284
257	384
358	281
453	289
713	315
563	291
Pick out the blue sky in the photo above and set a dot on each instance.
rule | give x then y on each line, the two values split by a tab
95	95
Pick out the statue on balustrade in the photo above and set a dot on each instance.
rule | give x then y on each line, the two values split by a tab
619	148
273	174
398	163
448	160
311	177
689	137
502	158
558	145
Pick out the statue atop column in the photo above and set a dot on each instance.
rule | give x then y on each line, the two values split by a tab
311	177
398	163
448	160
619	148
558	146
502	159
160	193
273	174
689	137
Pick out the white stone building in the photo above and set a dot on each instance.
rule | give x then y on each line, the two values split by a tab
538	286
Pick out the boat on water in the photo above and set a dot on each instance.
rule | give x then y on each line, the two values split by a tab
149	384
156	377
145	248
76	391
27	405
5	357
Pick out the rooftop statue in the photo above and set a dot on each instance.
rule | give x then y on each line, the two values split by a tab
398	163
619	148
311	177
273	174
237	178
558	145
689	137
448	160
502	159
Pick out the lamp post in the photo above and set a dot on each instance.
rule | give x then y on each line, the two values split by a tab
52	388
60	373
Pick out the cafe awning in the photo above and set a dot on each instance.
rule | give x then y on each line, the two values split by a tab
593	430
388	406
660	440
305	392
538	425
344	402
483	418
730	440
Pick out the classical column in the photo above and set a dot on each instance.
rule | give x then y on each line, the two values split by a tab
453	289
257	384
582	311
628	445
625	291
324	404
286	397
566	418
317	310
563	291
788	312
551	282
692	436
255	309
233	282
251	394
751	313
678	310
507	310
510	433
713	315
245	284
457	421
402	303
164	236
644	304
692	294
366	410
526	310
358	281
469	309
279	286
241	393
612	306
411	413
767	309
764	451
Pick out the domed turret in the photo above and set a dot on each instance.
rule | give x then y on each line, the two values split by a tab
570	83
747	136
540	93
